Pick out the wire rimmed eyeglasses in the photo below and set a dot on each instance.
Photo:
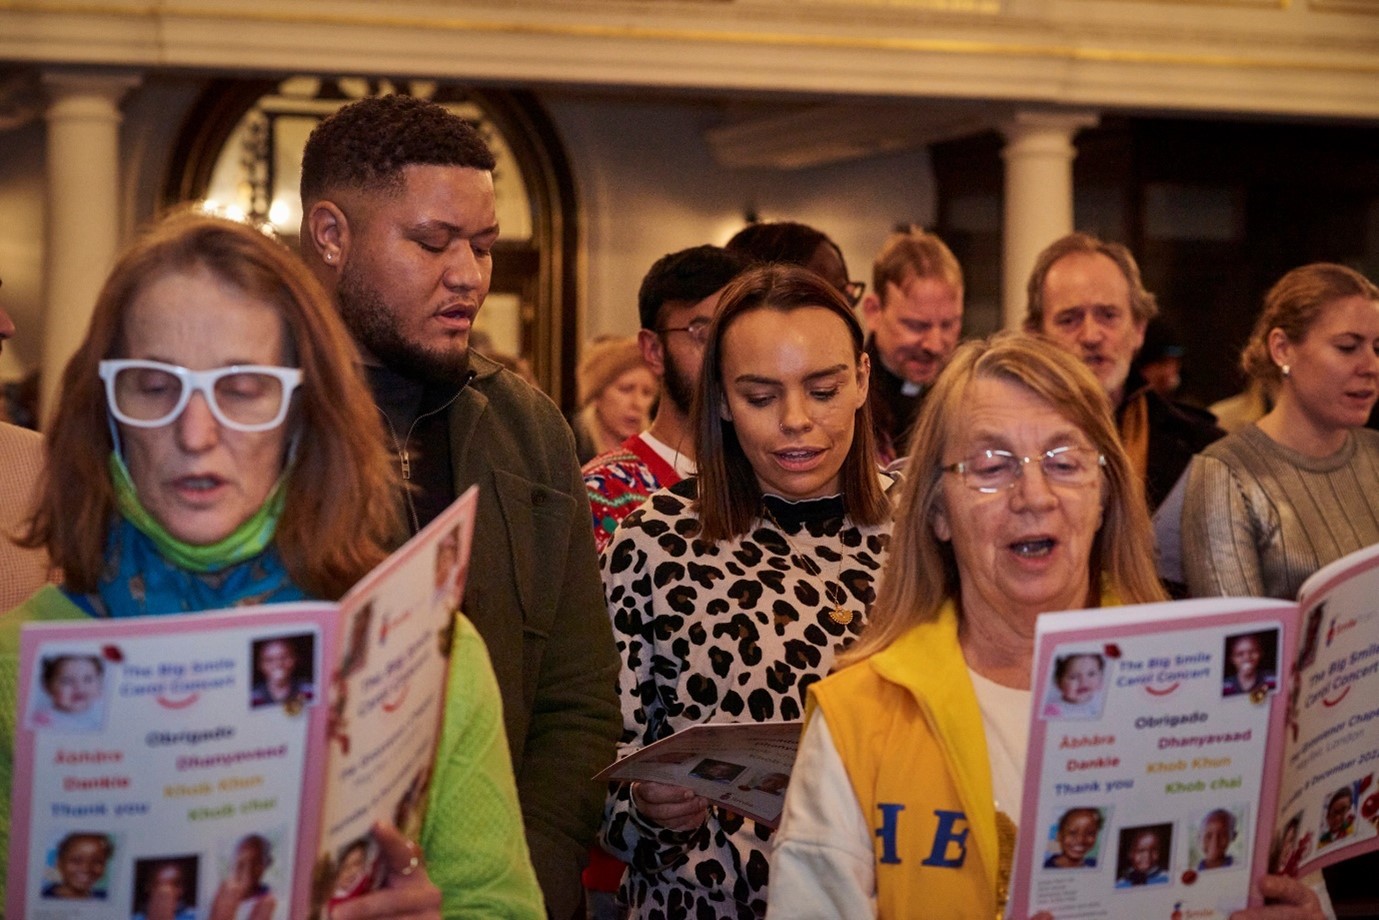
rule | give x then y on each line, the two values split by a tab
697	330
996	470
243	397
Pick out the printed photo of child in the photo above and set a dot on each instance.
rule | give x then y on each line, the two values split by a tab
409	811
1311	633
773	783
1076	686
78	864
71	695
1251	664
284	669
1143	857
354	871
1075	841
357	648
452	568
165	887
1338	820
1289	848
448	572
717	771
1217	833
244	894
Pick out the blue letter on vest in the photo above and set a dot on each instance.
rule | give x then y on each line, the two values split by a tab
890	817
945	835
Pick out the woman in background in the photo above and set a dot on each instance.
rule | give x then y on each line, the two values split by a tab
616	392
1269	505
731	592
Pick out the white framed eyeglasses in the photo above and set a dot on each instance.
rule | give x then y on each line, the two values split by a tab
996	470
244	397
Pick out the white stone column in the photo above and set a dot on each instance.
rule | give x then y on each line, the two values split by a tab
1038	159
83	211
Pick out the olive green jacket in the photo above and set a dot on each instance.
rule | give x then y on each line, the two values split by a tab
535	596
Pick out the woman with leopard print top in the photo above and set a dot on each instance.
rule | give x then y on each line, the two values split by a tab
732	592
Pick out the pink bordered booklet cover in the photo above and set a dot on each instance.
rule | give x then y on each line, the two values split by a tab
1178	751
238	755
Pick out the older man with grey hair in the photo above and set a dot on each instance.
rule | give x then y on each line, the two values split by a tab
1086	295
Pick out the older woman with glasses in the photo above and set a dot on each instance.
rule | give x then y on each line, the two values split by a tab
1018	500
215	446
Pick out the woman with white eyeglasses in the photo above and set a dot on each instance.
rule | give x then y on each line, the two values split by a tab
215	445
1018	500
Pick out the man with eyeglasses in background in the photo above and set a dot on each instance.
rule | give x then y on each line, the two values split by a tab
677	302
22	571
914	319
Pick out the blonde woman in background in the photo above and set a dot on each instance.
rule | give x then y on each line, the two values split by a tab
616	392
1269	505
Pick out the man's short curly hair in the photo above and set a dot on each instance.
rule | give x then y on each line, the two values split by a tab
366	145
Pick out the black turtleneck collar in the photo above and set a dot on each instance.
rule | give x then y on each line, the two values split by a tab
418	430
792	515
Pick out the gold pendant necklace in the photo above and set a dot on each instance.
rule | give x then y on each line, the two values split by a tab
839	614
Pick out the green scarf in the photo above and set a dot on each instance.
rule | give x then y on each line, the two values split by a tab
247	541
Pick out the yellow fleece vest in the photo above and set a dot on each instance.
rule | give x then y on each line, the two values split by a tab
915	751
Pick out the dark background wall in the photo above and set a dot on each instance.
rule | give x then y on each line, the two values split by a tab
1215	212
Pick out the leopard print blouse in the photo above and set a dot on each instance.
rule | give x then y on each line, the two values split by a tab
731	632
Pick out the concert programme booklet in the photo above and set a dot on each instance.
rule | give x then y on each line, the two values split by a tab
1178	751
274	736
742	766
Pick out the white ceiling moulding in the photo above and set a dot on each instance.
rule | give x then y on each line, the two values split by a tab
1370	7
1310	57
1220	4
982	7
838	132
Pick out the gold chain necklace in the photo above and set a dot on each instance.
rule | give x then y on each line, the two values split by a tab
839	614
